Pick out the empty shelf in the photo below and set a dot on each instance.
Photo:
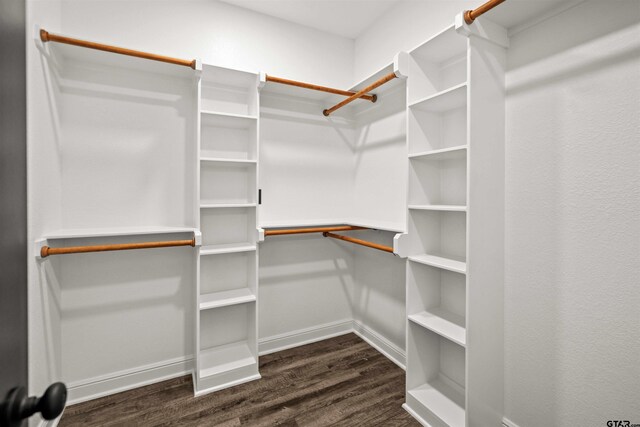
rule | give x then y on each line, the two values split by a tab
441	154
223	160
442	400
83	233
450	99
225	358
231	116
451	208
443	323
227	248
226	205
441	262
226	298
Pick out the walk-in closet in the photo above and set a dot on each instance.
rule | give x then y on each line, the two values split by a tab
320	213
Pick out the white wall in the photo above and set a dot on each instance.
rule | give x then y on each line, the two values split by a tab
212	31
217	33
572	323
405	26
572	224
43	208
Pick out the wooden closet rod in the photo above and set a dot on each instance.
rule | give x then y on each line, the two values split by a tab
45	36
372	98
360	242
311	230
45	251
359	94
471	15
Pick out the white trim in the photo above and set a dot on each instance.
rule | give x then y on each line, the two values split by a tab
117	382
305	336
508	423
198	393
415	415
380	343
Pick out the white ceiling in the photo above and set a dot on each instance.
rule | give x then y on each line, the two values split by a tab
347	18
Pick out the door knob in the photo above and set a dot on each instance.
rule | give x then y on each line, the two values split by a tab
17	406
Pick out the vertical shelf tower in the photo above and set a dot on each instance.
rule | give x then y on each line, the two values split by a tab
227	265
455	242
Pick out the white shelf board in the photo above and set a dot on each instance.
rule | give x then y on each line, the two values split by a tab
441	154
443	323
441	47
223	115
227	248
223	160
227	120
226	298
441	262
442	400
218	360
227	205
446	100
448	208
376	225
76	54
83	233
214	74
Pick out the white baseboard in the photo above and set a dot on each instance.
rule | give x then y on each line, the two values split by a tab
415	415
380	343
116	382
304	336
508	423
48	423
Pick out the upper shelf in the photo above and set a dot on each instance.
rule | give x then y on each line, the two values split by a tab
65	53
115	232
212	74
443	46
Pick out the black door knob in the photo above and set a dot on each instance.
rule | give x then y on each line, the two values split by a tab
17	406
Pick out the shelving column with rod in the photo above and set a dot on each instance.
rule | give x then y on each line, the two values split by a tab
454	243
227	265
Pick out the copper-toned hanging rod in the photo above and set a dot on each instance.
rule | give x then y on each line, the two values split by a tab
372	98
45	36
471	15
311	230
360	242
45	251
359	94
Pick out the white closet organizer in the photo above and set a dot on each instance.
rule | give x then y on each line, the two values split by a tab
227	266
454	242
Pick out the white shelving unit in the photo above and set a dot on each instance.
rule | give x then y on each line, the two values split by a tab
227	276
454	243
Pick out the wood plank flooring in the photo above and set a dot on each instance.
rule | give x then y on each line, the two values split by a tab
336	382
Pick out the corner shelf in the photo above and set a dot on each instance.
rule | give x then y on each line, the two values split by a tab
456	266
443	323
226	298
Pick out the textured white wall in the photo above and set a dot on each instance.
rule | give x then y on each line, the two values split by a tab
405	26
217	33
572	322
43	207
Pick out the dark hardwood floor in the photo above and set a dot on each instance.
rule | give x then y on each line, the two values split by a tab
337	382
